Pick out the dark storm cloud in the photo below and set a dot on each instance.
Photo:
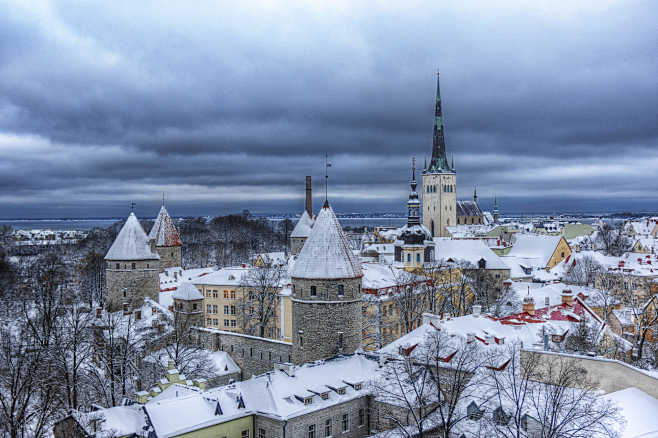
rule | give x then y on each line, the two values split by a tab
229	106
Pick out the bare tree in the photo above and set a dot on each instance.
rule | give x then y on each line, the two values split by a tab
408	299
547	398
455	287
613	239
584	272
260	298
430	382
645	318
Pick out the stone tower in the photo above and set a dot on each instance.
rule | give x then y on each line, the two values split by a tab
439	180
326	301
133	266
414	245
167	240
496	214
188	306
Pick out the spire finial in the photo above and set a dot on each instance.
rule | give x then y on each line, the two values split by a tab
132	206
327	165
413	168
475	193
163	199
453	162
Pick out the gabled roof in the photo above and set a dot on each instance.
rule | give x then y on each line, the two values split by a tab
326	253
535	249
131	243
468	250
468	208
187	292
164	231
303	227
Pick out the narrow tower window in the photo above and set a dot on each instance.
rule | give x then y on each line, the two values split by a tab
314	291
340	290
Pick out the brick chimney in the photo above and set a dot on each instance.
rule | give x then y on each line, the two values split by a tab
567	297
529	305
309	197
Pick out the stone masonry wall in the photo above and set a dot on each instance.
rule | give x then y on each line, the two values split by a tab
252	354
612	375
170	256
299	426
319	321
138	278
296	244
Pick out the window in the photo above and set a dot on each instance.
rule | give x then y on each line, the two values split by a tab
118	266
245	434
327	427
214	294
314	291
232	310
225	310
301	339
226	323
408	257
193	306
232	294
361	416
233	324
417	258
225	294
134	265
340	341
562	254
208	308
340	290
208	321
215	321
261	433
214	308
346	423
311	431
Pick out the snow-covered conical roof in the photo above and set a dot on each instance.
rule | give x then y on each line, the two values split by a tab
303	227
131	243
326	253
164	231
187	292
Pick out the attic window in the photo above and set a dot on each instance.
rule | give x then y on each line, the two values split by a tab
231	277
341	390
358	386
308	400
324	395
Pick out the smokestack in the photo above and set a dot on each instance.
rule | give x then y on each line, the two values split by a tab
309	197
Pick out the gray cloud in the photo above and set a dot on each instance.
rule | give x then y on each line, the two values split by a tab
229	106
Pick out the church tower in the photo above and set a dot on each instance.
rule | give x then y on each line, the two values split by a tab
439	180
326	293
167	240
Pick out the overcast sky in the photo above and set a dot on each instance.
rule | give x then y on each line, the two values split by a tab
228	105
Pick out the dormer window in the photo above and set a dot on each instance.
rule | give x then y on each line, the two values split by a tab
358	386
308	400
341	390
324	396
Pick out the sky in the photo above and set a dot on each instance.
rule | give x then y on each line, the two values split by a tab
224	106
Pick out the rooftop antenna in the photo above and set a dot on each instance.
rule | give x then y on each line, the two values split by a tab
163	200
327	165
132	206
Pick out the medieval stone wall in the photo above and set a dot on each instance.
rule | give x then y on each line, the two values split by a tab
170	256
139	279
296	244
325	324
252	354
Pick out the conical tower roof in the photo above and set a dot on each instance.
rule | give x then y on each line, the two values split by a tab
303	227
187	292
164	231
326	253
131	243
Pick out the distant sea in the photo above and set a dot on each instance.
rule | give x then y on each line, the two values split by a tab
87	224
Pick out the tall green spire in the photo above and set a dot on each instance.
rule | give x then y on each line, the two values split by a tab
439	161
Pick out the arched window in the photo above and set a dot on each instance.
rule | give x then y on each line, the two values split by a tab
408	257
417	258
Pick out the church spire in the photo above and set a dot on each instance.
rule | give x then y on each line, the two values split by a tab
413	205
439	162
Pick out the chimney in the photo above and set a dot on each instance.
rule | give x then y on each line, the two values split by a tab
567	297
309	197
476	310
529	305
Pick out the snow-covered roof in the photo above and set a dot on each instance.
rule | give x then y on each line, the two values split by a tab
115	421
639	410
536	250
326	253
380	276
468	208
471	251
131	243
224	363
303	227
164	231
187	292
